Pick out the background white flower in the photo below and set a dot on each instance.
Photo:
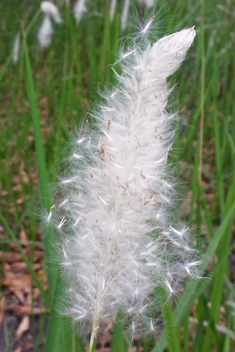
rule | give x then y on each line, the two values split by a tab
79	9
48	8
16	48
46	30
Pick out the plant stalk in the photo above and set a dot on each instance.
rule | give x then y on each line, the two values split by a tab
96	319
202	91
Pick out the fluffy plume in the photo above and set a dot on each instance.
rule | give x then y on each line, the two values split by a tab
46	30
121	239
125	13
79	9
50	9
148	3
113	5
16	48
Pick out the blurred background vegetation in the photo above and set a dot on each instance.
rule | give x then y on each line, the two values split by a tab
47	92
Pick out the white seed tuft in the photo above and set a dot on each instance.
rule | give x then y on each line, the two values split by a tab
113	5
79	9
46	30
48	8
125	13
118	241
16	48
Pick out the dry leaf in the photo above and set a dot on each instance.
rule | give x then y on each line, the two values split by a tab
23	327
16	180
29	300
27	347
23	236
2	305
23	281
18	266
7	267
18	293
28	310
17	188
19	349
10	257
25	179
38	256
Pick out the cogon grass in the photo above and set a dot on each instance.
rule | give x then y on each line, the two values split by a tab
79	9
46	30
120	239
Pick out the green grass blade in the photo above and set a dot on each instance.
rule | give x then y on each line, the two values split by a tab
55	323
218	159
4	68
49	249
105	52
226	345
117	340
193	288
173	343
186	333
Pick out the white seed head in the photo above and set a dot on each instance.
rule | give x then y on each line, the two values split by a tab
45	32
48	8
16	48
125	13
79	9
148	3
120	237
113	5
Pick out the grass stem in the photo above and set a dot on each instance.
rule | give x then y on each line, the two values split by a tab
202	91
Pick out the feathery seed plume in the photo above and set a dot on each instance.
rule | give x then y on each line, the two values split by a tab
121	239
46	30
112	9
50	9
16	48
125	13
79	9
147	3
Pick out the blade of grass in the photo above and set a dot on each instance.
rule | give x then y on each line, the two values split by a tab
55	322
49	249
117	340
60	116
219	172
202	90
104	56
4	68
186	333
226	345
192	290
173	343
217	289
75	54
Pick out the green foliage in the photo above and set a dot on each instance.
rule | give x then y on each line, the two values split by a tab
49	91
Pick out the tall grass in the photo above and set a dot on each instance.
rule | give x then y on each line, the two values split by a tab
49	91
